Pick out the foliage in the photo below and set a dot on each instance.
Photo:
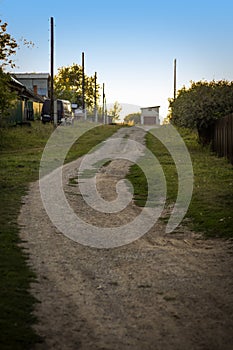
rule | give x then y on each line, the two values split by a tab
8	46
201	104
7	97
114	112
68	86
135	117
210	210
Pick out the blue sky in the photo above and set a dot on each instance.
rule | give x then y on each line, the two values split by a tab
131	44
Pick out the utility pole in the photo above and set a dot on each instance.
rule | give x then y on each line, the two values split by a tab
174	79
105	110
95	108
83	86
103	107
53	117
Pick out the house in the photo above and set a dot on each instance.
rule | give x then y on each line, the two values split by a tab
27	105
150	115
39	83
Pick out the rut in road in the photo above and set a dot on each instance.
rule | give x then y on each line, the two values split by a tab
162	291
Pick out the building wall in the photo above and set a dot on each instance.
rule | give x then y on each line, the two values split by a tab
16	112
38	83
24	110
37	107
150	116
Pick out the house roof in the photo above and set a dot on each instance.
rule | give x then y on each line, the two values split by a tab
32	75
150	107
23	91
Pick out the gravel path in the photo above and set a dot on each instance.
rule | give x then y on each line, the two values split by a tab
161	292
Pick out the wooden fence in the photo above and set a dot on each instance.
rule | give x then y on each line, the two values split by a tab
223	137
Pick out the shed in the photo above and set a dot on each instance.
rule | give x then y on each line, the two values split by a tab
150	115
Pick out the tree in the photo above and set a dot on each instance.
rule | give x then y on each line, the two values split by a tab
68	86
200	105
133	117
7	97
114	112
8	48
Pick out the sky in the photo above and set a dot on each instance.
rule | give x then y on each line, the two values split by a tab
131	44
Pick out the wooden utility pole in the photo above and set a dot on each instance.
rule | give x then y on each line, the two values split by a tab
52	74
95	97
174	79
103	107
105	110
83	85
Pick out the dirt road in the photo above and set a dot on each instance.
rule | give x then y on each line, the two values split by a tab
161	292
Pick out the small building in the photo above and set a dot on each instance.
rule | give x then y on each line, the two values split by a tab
27	104
150	115
39	83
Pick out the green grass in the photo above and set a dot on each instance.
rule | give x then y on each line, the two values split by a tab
20	151
138	178
210	210
20	154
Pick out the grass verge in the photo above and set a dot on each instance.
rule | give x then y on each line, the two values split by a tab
20	151
210	210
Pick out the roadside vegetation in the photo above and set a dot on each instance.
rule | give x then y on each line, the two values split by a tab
199	106
210	210
20	151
